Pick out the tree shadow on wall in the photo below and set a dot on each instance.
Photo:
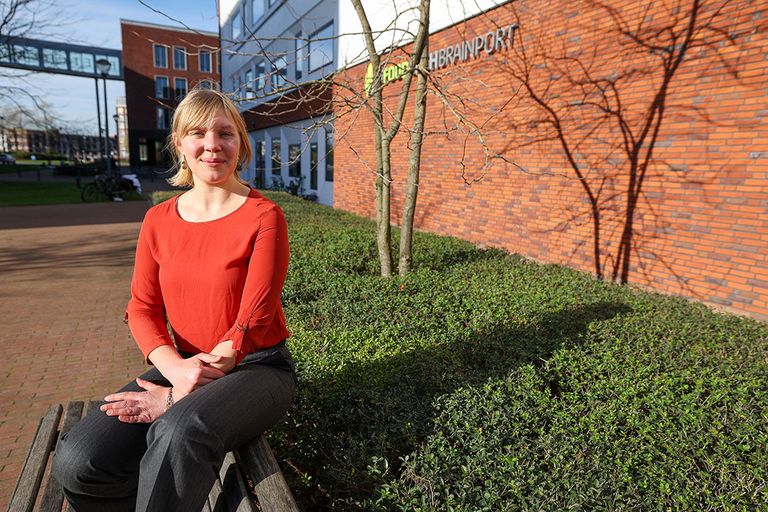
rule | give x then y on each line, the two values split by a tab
601	96
382	409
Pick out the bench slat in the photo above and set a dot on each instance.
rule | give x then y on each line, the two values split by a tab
27	487
260	467
238	498
53	496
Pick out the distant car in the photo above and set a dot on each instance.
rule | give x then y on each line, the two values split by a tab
7	158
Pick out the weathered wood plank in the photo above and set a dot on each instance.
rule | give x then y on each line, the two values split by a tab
260	467
28	485
53	495
238	498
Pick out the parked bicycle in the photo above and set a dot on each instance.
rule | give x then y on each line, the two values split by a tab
112	188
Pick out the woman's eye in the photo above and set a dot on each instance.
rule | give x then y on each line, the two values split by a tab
195	133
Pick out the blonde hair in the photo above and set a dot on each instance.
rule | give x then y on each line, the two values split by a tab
197	109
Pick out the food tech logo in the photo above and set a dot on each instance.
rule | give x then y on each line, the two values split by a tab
490	42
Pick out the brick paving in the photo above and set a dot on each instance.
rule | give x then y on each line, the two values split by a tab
64	282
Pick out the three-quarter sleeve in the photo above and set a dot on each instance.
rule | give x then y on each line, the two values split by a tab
266	273
145	312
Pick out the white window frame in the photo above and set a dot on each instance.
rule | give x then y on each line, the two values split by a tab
176	81
261	11
154	55
183	53
167	93
325	40
200	61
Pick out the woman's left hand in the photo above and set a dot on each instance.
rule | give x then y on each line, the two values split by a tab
138	406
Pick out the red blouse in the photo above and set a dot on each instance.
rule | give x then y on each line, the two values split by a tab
217	280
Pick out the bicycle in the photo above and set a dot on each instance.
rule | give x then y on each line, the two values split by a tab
112	188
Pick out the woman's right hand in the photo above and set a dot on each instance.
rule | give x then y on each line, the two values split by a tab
186	375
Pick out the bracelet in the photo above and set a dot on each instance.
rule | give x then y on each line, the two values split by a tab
169	400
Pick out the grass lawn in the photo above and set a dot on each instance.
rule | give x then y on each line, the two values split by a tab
484	381
25	193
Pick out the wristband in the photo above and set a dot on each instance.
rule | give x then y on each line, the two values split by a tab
169	399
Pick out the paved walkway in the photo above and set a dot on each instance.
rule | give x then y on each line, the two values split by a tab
64	282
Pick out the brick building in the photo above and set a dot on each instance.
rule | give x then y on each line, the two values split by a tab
161	64
627	139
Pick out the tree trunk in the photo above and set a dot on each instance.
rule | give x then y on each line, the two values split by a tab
414	163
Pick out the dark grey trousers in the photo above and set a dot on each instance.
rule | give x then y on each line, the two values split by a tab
170	465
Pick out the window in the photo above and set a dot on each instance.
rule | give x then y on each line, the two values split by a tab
163	118
299	46
321	48
205	61
328	154
261	83
294	160
26	55
114	64
313	166
143	156
179	57
276	163
272	2
55	59
260	163
237	25
81	62
249	80
161	56
278	73
161	87
180	86
257	10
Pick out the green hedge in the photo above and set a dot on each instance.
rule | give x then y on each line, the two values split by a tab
484	381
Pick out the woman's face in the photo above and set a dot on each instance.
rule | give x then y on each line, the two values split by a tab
211	151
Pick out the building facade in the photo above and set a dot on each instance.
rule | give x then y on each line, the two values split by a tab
626	139
51	142
161	64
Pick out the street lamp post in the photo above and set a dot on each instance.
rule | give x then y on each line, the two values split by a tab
103	66
117	139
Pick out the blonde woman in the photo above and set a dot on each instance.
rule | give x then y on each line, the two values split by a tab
211	264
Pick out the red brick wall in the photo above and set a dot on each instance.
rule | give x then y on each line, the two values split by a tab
140	72
575	93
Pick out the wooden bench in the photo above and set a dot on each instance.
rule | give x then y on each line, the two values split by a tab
249	480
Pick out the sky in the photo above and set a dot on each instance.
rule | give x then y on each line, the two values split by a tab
97	23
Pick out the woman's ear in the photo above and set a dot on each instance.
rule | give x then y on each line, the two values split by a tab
176	142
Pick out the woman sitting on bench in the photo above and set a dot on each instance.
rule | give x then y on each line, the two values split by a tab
211	264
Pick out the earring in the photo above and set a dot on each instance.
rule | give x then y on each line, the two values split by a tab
183	164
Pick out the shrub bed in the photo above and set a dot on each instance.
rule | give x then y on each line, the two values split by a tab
483	381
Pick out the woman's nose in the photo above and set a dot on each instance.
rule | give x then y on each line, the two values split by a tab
211	141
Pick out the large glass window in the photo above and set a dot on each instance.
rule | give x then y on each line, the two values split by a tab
261	82
313	166
279	71
257	10
237	25
294	160
54	59
205	61
276	162
143	153
114	64
260	163
299	54
179	57
81	62
180	86
26	55
321	48
161	87
328	154
161	56
249	80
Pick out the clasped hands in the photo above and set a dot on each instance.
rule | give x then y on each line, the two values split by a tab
185	375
